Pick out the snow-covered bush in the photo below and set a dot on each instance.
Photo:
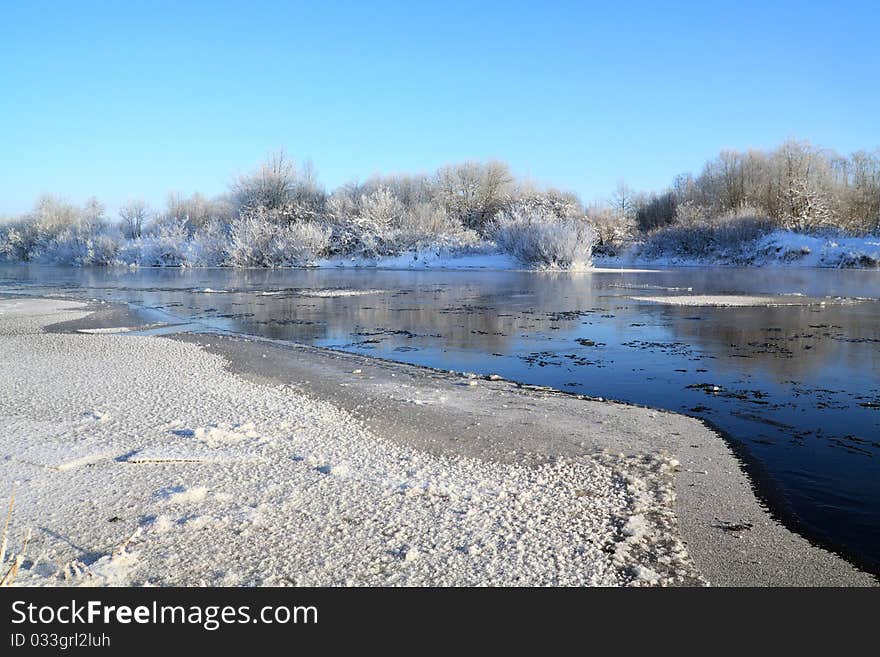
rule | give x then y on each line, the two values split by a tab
82	246
257	240
13	244
362	225
379	224
858	260
542	239
210	245
730	238
303	243
57	232
367	232
51	218
548	202
426	227
168	246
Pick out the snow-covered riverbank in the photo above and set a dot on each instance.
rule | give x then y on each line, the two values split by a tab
142	460
779	248
776	249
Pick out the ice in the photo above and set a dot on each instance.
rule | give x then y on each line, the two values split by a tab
731	300
333	293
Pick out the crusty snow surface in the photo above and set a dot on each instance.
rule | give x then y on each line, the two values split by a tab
143	461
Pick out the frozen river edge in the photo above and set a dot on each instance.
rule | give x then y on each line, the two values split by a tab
714	497
730	538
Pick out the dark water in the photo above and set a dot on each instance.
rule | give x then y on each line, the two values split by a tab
796	388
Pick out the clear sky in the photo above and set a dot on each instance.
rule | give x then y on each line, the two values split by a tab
124	99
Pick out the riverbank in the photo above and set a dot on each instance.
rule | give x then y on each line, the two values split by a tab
776	249
693	247
687	248
231	461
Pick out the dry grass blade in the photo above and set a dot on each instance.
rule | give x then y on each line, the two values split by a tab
11	573
6	527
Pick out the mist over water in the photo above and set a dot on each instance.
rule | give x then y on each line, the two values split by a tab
797	387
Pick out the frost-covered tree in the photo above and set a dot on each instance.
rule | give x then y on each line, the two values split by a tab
797	185
613	232
94	214
134	216
861	190
194	212
473	192
804	175
624	202
292	194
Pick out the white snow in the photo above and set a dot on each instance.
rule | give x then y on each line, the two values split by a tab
734	300
180	495
780	249
334	293
784	247
97	331
273	487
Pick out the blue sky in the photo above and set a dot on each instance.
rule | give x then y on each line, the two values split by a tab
125	100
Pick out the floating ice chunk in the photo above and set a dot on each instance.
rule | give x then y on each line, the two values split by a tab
732	300
330	294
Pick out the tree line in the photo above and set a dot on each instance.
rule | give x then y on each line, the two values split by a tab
280	214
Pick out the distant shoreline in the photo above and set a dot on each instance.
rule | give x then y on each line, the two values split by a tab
777	249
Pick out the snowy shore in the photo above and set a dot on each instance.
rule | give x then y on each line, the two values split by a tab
777	249
201	460
143	461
